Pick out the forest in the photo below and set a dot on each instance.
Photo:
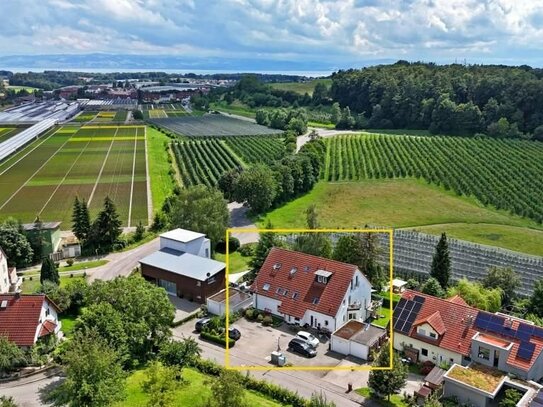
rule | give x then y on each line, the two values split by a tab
500	101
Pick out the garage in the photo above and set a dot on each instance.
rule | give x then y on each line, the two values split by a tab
238	300
357	339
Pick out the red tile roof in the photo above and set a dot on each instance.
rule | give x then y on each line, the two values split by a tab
303	281
435	321
48	327
20	319
454	318
458	300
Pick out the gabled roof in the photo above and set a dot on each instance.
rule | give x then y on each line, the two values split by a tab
453	319
20	319
47	328
458	300
184	264
435	321
294	272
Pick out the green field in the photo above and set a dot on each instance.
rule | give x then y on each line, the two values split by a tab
162	183
414	204
90	162
301	87
17	89
8	132
85	116
32	286
196	390
237	262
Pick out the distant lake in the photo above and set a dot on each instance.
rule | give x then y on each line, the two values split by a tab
170	71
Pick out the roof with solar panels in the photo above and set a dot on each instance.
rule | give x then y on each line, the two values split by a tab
457	324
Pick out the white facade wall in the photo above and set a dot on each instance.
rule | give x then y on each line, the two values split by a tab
347	347
48	312
267	304
325	321
435	353
356	292
199	247
359	350
4	275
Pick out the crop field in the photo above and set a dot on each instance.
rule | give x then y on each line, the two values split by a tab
91	162
212	125
8	132
503	173
85	116
203	161
120	116
257	149
157	114
176	113
301	87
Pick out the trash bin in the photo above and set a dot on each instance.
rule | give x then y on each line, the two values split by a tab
281	361
275	357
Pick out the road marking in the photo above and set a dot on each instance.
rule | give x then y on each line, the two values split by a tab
32	176
101	170
133	174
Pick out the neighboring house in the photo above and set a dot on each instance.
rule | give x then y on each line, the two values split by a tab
450	331
398	286
237	301
25	319
9	281
183	266
306	289
358	339
48	232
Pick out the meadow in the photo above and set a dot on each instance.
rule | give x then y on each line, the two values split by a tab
91	162
301	87
8	132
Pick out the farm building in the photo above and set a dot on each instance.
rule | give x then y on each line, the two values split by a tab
237	301
312	290
357	339
25	319
48	232
183	266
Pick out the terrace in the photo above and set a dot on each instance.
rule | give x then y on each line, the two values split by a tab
480	377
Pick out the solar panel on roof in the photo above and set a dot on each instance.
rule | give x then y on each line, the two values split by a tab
401	303
417	307
412	317
399	324
539	396
538	332
526	350
404	314
419	299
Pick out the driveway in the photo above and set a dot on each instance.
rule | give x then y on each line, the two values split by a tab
240	221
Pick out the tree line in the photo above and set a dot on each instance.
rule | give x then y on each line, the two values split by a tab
499	101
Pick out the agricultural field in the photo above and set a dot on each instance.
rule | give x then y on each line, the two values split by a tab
17	89
212	125
120	116
505	174
176	113
104	117
301	87
410	203
85	116
91	162
203	161
8	132
257	149
157	114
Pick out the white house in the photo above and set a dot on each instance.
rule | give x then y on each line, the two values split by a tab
306	289
25	319
9	281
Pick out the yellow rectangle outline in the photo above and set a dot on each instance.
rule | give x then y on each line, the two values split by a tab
339	368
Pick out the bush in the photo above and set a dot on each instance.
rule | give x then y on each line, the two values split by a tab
250	313
247	250
233	245
260	318
267	320
70	262
221	340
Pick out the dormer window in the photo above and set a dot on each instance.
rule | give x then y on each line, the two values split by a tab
277	266
322	276
266	287
295	295
316	300
293	271
322	279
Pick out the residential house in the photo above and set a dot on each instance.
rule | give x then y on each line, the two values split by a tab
448	331
9	281
183	267
25	319
312	290
46	232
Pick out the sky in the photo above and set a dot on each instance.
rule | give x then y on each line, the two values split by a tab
323	34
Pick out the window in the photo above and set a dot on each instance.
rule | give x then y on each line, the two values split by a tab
47	312
326	323
266	287
484	353
316	300
207	253
277	266
351	284
424	352
433	335
322	279
295	295
356	282
279	291
211	280
451	361
422	331
198	283
307	268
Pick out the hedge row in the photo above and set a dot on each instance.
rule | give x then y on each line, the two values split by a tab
217	339
277	393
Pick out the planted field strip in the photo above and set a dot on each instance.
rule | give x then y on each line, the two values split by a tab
8	132
139	206
89	163
257	149
212	125
120	116
85	117
156	114
203	161
176	113
502	173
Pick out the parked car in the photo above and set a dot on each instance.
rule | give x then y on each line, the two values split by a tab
308	338
234	333
201	324
301	347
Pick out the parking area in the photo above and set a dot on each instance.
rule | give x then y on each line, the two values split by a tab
257	342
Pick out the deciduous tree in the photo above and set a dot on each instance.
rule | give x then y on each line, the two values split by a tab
505	279
16	246
258	187
11	356
488	299
266	241
432	287
160	384
384	383
227	390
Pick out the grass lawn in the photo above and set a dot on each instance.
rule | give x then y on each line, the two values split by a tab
30	287
301	87
238	263
414	204
395	399
385	312
68	323
162	183
196	391
83	265
234	109
17	89
321	125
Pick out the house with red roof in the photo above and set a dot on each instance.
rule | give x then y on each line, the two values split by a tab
449	331
307	289
25	319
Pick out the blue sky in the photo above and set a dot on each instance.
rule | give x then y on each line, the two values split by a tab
338	33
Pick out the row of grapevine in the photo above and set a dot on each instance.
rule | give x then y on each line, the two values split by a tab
507	174
257	149
203	161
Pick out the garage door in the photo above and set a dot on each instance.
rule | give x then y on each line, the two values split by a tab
359	350
339	345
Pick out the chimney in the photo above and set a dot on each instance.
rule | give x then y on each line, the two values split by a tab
17	295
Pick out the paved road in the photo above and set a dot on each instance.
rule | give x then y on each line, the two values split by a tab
301	140
27	392
122	264
239	220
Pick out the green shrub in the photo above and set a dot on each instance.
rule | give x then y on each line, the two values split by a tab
267	320
260	318
247	249
250	314
233	245
70	262
221	340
